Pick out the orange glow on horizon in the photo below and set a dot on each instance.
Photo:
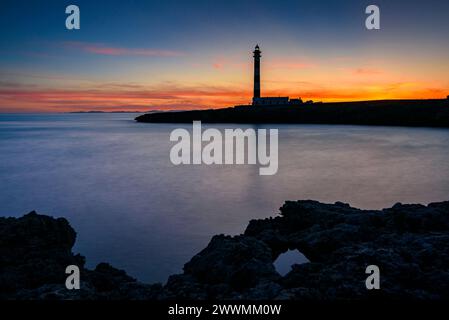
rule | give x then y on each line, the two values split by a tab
222	83
48	100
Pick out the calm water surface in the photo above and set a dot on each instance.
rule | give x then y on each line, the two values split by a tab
113	180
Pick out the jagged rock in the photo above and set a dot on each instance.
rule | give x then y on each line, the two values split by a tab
34	250
34	253
237	261
409	243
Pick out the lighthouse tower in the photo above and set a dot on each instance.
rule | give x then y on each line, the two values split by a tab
257	55
257	99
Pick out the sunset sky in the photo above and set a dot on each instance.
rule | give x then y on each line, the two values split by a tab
145	55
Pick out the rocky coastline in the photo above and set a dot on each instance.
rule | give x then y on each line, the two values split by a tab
409	244
410	113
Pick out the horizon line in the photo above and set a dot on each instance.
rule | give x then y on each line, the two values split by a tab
205	108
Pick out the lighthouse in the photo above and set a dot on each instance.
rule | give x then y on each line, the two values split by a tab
257	55
266	101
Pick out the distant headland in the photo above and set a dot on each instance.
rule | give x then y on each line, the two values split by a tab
119	111
416	113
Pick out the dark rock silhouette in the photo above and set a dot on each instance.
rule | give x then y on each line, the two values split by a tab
34	253
427	113
409	243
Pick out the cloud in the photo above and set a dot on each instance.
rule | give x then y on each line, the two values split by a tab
16	97
12	84
101	49
367	71
110	96
221	63
289	64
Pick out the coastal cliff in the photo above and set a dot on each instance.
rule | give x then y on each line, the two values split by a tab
414	113
409	243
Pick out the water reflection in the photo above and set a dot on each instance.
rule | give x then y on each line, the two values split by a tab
113	179
284	262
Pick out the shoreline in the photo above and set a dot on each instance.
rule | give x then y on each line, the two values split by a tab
409	243
408	113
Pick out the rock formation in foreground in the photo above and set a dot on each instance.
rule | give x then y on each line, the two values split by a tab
409	243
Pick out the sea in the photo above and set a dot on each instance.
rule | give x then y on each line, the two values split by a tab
112	178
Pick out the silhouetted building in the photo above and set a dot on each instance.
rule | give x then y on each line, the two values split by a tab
267	101
257	55
295	101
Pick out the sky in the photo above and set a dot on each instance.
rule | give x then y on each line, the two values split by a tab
173	55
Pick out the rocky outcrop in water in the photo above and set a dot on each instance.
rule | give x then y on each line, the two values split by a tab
409	244
34	253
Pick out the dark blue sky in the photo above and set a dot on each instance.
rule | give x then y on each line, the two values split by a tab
189	24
